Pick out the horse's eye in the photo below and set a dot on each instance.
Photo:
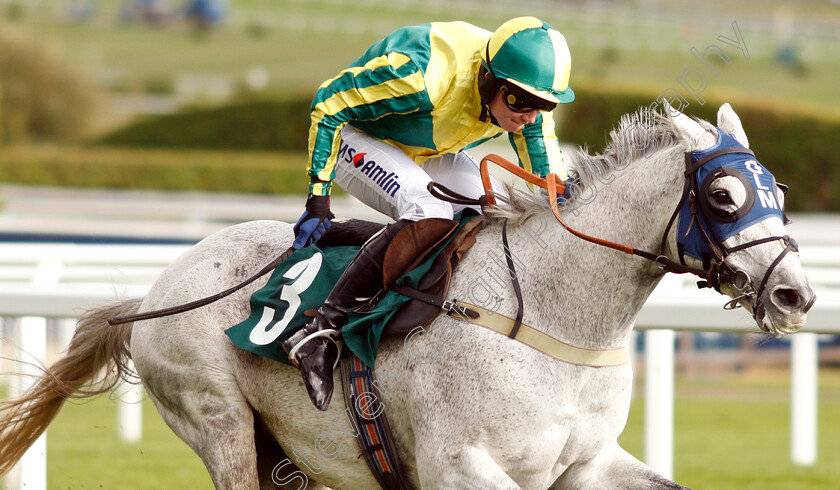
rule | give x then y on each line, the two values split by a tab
721	197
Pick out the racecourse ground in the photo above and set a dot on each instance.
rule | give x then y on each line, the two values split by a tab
732	432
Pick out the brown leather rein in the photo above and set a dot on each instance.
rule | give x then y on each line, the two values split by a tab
555	186
716	272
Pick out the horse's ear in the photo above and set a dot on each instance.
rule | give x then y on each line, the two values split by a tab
731	123
690	133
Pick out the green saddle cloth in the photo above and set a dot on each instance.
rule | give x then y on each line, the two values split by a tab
302	283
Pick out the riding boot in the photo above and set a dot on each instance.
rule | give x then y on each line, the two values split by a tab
358	285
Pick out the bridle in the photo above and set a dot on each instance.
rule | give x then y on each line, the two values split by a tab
719	270
715	270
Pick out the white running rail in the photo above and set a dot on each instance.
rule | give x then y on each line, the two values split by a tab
48	281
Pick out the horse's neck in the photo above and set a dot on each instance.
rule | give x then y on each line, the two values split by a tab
590	295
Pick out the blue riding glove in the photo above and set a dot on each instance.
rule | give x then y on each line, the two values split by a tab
571	183
314	222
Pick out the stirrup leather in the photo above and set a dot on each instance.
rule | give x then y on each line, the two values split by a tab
332	335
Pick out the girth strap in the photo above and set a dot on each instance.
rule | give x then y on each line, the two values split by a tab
363	400
543	342
450	306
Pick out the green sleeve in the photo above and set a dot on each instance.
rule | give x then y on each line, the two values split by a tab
388	84
537	147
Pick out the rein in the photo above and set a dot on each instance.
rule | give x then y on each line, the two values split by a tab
555	186
712	274
174	310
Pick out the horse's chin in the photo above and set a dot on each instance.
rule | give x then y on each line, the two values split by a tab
781	324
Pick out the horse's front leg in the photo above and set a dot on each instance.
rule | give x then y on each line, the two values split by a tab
467	467
613	468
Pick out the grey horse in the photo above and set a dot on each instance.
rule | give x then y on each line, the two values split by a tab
469	408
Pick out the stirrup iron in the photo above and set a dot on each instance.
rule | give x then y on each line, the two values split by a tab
332	335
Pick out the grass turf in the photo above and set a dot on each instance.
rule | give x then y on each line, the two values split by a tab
732	432
84	452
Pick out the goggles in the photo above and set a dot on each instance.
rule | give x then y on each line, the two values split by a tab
519	100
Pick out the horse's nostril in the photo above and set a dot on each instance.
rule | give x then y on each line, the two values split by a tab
788	297
810	303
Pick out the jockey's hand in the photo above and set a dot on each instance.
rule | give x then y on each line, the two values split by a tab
571	183
314	222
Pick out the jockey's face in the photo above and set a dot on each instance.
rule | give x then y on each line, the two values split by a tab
508	119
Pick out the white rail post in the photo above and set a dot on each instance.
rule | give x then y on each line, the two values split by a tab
15	385
130	411
66	330
33	343
659	401
804	359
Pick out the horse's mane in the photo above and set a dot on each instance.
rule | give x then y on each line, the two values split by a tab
641	133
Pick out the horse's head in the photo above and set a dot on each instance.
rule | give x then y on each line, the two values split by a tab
732	215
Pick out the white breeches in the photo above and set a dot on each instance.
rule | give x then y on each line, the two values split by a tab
386	179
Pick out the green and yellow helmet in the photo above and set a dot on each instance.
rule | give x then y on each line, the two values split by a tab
532	55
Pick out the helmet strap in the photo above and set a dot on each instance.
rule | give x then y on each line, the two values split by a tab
487	86
486	114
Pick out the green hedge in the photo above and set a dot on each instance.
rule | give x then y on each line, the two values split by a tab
798	148
44	97
264	125
229	171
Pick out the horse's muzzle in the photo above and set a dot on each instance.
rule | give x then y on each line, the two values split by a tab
786	309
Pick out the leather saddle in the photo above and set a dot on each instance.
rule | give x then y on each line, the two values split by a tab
406	251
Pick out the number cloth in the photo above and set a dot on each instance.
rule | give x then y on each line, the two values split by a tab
302	283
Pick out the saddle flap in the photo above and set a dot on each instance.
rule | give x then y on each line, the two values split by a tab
411	245
436	282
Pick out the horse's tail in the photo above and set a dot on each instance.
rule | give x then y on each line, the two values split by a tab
96	360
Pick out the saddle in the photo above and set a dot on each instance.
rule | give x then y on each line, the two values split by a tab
409	248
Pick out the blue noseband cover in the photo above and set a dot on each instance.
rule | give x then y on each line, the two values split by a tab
761	202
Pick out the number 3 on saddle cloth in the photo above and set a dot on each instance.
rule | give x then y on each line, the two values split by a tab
299	286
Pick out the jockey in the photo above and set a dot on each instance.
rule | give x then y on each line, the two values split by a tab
398	118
